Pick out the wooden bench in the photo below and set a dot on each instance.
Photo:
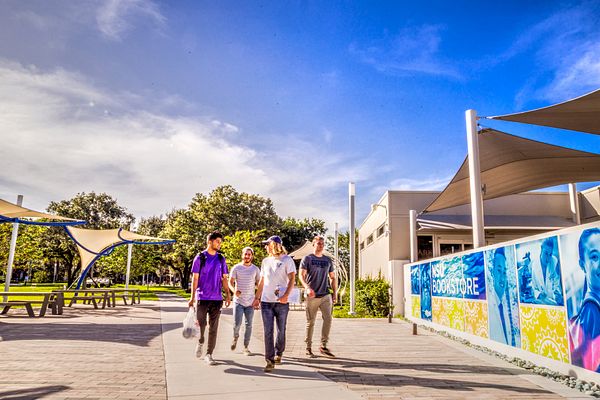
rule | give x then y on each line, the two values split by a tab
89	296
54	300
128	293
8	304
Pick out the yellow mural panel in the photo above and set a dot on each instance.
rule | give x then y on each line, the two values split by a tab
416	306
543	331
448	312
476	318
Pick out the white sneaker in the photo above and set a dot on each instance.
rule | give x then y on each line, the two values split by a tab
199	350
247	352
209	360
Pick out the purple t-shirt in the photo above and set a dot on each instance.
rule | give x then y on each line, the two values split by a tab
210	281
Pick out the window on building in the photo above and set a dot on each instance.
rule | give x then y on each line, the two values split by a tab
450	248
425	247
362	245
381	230
369	239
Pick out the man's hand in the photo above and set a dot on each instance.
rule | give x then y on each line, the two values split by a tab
334	297
256	304
310	293
284	299
238	293
227	302
191	303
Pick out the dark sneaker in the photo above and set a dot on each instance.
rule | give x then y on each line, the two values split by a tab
309	353
269	367
277	359
234	344
325	351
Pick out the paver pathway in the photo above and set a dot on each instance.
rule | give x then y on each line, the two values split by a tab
138	352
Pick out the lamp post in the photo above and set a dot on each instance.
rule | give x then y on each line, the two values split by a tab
351	237
11	252
475	179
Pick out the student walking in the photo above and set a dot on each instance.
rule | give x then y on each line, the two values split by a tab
210	277
317	276
277	278
242	281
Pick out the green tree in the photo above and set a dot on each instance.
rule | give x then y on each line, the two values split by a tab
28	250
233	245
101	211
224	209
294	232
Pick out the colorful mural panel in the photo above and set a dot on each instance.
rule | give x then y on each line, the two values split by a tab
544	332
476	318
503	307
449	312
415	280
416	306
425	291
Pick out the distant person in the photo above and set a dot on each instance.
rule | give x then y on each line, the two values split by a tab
498	302
210	277
584	327
547	288
277	278
242	281
317	275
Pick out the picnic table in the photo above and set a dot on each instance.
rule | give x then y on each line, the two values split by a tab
54	300
105	297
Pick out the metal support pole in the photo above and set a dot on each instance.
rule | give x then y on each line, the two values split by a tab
351	237
129	251
413	235
11	253
475	179
574	202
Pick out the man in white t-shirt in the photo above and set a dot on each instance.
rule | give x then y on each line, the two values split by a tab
243	279
277	279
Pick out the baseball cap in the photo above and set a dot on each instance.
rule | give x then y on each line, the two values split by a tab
273	238
245	249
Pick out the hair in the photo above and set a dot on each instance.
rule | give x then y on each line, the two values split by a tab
214	235
500	250
585	235
276	249
549	241
245	249
317	238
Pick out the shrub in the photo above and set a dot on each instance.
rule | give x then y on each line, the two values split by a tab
372	299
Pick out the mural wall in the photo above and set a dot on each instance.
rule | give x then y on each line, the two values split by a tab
541	295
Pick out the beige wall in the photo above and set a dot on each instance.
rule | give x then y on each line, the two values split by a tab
590	204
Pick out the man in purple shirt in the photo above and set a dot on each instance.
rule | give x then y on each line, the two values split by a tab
210	276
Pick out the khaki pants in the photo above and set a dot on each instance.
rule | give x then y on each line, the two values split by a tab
313	305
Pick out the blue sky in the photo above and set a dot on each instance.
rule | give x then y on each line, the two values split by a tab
154	101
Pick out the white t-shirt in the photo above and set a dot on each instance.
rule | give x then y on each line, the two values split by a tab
246	278
274	271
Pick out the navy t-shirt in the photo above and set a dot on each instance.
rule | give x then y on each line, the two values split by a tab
317	273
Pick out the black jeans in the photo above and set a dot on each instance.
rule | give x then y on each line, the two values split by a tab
212	308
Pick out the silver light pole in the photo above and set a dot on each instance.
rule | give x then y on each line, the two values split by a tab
351	236
475	179
336	253
11	253
129	251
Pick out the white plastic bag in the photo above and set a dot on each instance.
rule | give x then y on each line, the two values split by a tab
191	329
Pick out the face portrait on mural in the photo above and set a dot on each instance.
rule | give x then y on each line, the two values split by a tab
583	298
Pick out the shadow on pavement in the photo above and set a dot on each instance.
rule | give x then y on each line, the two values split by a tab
32	393
280	371
135	334
340	370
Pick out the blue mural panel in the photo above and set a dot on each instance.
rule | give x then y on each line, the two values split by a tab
538	266
425	291
503	305
415	279
580	257
474	276
446	277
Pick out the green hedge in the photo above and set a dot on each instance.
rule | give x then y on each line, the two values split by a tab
372	299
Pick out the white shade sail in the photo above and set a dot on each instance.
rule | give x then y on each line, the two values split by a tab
580	114
10	212
511	164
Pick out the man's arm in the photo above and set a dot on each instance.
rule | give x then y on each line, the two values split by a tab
259	291
226	287
302	276
333	280
292	279
194	287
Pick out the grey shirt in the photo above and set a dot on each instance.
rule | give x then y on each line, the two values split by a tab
317	273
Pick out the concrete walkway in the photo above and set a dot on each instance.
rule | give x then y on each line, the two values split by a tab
137	352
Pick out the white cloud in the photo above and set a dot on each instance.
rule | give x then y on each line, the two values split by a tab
115	17
59	140
412	50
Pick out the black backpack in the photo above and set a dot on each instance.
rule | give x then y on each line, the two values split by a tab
202	256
